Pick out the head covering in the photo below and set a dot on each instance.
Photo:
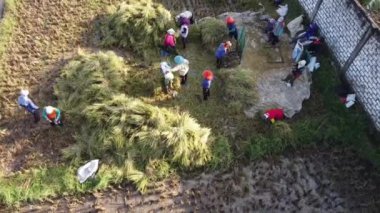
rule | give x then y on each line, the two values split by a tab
179	59
49	109
168	75
281	19
171	31
230	20
301	64
24	92
208	75
265	116
164	66
228	44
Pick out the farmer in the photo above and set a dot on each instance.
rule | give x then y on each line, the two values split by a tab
170	42
278	30
208	76
182	66
25	102
185	19
53	115
221	52
168	76
232	29
184	32
274	115
296	73
187	16
270	25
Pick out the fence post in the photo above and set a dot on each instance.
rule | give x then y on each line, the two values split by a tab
369	32
316	9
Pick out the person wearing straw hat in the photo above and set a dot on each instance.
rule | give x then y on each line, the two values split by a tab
208	76
168	76
221	52
296	73
182	67
170	42
25	102
52	115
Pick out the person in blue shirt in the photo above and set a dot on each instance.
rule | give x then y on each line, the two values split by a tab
25	102
232	29
208	76
221	52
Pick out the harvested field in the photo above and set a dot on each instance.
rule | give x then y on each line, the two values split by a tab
47	34
314	181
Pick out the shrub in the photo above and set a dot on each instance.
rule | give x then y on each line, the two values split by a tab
239	88
137	25
213	32
89	78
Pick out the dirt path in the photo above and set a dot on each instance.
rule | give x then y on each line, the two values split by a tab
314	181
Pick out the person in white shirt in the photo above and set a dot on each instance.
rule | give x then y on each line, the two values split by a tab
168	76
25	102
182	67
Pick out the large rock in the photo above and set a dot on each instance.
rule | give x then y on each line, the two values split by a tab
273	92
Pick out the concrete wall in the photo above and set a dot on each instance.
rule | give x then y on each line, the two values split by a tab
344	25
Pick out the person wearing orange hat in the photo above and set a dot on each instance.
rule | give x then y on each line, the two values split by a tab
208	76
232	29
53	115
221	52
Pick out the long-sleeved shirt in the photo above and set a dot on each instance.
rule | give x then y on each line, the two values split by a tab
206	84
275	114
169	40
28	104
221	51
182	69
56	115
232	28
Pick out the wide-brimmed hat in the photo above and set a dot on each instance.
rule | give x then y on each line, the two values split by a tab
24	92
179	59
171	31
301	64
49	109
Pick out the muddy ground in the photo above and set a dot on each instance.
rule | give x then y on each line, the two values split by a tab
308	181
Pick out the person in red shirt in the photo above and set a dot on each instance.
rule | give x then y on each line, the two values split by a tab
274	115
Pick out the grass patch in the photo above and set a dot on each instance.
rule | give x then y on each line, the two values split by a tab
238	88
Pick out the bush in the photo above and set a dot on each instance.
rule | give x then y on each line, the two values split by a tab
239	88
125	128
137	25
89	78
213	32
